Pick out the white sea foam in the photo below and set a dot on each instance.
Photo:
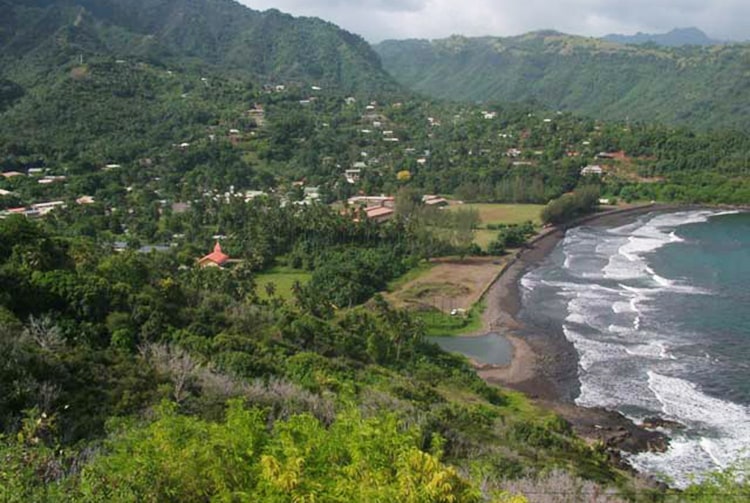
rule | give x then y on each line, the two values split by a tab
678	465
629	262
528	282
655	350
724	429
625	355
591	351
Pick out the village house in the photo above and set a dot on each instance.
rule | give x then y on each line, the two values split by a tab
52	179
16	211
312	194
85	200
44	208
354	174
258	115
592	170
216	258
372	201
249	195
35	210
379	214
615	156
433	200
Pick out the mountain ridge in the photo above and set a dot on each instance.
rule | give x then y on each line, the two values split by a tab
674	38
269	46
698	86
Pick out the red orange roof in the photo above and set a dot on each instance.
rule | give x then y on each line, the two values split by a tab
217	256
378	211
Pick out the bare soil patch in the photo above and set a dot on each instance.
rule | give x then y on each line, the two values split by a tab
450	284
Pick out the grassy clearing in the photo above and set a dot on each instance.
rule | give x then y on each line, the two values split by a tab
409	276
283	279
483	237
438	323
494	214
506	213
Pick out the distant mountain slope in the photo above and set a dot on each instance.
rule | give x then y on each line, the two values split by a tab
705	87
675	38
269	46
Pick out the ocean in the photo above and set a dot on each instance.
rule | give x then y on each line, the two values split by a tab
658	311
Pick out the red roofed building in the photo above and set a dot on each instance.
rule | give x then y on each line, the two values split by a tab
216	258
379	213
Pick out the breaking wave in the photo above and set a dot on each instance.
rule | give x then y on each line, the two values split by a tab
629	358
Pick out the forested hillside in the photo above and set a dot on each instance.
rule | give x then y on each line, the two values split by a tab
136	135
674	38
221	34
703	87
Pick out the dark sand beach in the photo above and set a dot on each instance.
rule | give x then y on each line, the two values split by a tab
545	363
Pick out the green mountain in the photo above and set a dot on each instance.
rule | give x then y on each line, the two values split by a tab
674	38
91	80
38	35
706	87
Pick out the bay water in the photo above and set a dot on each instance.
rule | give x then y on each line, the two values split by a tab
658	311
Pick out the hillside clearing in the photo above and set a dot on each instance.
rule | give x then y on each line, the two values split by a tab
450	284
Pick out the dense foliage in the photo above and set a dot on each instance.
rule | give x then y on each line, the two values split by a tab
129	372
570	206
270	46
95	340
692	85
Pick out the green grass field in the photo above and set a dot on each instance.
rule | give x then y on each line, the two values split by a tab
506	213
283	278
437	323
501	214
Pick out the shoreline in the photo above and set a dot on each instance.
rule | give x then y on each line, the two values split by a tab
544	365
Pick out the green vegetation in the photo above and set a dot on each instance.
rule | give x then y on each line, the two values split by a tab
511	236
571	206
495	216
129	373
439	323
119	367
506	214
697	86
182	458
201	36
281	281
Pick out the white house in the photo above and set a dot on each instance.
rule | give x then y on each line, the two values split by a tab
592	170
353	175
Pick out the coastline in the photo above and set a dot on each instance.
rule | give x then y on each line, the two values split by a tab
545	364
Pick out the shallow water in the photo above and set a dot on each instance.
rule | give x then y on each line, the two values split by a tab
491	349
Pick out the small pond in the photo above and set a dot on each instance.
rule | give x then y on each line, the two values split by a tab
493	349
